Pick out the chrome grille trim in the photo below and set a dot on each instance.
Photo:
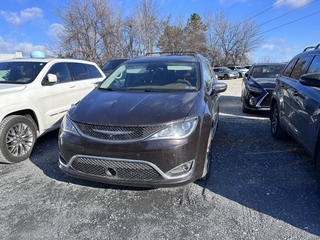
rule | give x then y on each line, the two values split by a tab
117	133
112	168
124	169
260	104
266	102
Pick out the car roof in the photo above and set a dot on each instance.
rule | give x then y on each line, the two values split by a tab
268	63
46	60
164	58
115	59
310	50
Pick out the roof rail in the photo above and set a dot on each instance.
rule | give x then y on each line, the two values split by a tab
312	47
170	53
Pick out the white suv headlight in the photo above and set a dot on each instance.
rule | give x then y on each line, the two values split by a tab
177	130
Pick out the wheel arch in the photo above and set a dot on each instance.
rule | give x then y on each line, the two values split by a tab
273	102
28	113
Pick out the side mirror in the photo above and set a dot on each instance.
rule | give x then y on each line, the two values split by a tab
310	79
246	74
52	78
219	87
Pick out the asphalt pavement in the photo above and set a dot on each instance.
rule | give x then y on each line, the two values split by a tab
260	188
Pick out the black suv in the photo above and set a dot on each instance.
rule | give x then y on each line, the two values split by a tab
112	64
295	107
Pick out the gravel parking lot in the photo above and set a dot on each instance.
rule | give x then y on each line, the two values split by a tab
260	188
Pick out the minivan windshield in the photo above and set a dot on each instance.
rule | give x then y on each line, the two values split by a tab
19	72
164	76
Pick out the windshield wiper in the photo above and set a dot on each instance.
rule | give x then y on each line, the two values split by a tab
108	89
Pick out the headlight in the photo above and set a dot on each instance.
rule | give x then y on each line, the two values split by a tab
67	125
178	130
252	87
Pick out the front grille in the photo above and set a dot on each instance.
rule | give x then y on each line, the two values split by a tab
115	169
115	133
266	102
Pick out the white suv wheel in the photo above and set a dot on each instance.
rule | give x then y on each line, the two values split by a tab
17	135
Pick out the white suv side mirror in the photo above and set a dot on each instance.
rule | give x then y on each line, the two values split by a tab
52	78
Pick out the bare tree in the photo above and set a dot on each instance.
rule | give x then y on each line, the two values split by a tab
231	42
129	36
149	25
97	31
92	30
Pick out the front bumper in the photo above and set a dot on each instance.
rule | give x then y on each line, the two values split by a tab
125	172
259	102
152	164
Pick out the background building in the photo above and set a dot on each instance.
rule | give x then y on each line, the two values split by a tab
11	56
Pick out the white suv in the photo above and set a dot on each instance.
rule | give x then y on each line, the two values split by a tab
35	94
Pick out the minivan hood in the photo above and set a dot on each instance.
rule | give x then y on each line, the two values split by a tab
132	108
6	88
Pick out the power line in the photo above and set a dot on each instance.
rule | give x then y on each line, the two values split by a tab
267	9
290	22
287	13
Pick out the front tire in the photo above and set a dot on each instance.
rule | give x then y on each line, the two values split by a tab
17	137
276	129
225	77
244	109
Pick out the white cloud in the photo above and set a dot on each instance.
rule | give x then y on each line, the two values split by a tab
277	49
291	3
28	14
268	47
31	13
26	48
11	46
55	29
4	46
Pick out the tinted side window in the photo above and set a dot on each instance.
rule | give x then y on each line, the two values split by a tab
93	71
315	65
208	76
61	71
301	67
79	71
287	71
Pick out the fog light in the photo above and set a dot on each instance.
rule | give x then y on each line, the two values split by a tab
181	170
251	101
186	167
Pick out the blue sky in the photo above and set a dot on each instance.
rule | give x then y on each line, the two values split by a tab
288	26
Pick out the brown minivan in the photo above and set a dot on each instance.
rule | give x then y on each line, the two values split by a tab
149	124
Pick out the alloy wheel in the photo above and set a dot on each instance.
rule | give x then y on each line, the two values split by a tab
19	139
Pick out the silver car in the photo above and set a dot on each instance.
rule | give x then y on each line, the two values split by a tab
240	69
225	73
